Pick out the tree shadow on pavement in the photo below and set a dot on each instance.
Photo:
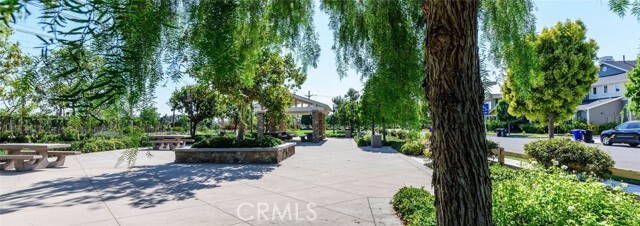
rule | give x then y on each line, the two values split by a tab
383	149
143	186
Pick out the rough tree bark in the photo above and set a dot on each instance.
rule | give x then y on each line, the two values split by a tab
454	91
551	122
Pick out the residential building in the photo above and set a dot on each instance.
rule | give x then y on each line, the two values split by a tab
606	102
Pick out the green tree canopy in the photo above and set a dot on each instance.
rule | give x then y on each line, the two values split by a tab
198	102
564	71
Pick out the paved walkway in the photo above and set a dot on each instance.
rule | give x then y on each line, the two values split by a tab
335	183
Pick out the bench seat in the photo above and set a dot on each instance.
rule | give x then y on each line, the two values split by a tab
55	153
171	144
61	156
188	140
18	161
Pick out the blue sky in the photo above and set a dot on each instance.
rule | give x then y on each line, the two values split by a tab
616	37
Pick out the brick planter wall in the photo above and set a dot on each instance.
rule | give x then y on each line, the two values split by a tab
271	155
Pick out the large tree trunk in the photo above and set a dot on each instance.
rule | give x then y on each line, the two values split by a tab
454	91
551	121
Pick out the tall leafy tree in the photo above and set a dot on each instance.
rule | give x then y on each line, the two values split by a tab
563	73
271	86
198	102
441	37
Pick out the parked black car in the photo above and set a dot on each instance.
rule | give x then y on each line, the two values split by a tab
628	133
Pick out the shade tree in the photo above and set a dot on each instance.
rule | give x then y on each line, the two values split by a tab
198	102
563	73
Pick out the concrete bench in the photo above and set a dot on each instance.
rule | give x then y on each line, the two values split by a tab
18	161
188	140
163	144
60	156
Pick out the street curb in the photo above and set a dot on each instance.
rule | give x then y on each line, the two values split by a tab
618	172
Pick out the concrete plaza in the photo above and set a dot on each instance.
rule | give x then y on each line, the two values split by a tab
331	183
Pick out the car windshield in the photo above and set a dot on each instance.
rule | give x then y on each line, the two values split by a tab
633	125
622	126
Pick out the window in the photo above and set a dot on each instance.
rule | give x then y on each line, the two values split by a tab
595	91
617	87
632	125
622	126
605	89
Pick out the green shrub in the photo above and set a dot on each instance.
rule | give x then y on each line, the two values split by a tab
567	126
551	197
268	141
492	125
491	145
412	148
228	141
535	197
567	152
533	128
70	134
109	135
413	135
363	141
22	138
415	205
90	147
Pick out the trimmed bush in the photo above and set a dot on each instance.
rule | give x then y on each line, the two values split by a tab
363	141
570	153
412	148
415	205
228	141
535	197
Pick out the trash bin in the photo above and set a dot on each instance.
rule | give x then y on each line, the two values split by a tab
577	134
587	136
500	132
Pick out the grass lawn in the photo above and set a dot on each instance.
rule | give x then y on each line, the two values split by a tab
530	135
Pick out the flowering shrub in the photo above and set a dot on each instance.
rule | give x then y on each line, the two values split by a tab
575	155
536	197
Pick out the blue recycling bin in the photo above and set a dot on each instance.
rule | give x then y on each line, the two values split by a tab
577	134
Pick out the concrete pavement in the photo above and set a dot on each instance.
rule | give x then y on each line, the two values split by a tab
625	156
333	183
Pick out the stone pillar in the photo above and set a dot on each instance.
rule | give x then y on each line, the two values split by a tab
323	123
315	123
260	124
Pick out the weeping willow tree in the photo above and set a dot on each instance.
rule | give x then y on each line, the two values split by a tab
373	37
238	47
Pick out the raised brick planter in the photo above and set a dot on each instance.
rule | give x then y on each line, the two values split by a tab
270	155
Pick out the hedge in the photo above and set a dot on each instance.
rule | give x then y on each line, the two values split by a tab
231	141
535	197
575	155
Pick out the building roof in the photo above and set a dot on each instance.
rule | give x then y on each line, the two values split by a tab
626	65
589	104
611	79
312	105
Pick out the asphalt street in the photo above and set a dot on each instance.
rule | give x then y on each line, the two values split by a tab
625	156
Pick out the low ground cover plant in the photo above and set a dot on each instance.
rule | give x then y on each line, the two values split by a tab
536	196
575	155
230	141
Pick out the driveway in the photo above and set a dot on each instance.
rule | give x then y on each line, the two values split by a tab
625	156
333	183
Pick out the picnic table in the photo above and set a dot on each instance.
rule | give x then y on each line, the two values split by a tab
169	141
30	156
